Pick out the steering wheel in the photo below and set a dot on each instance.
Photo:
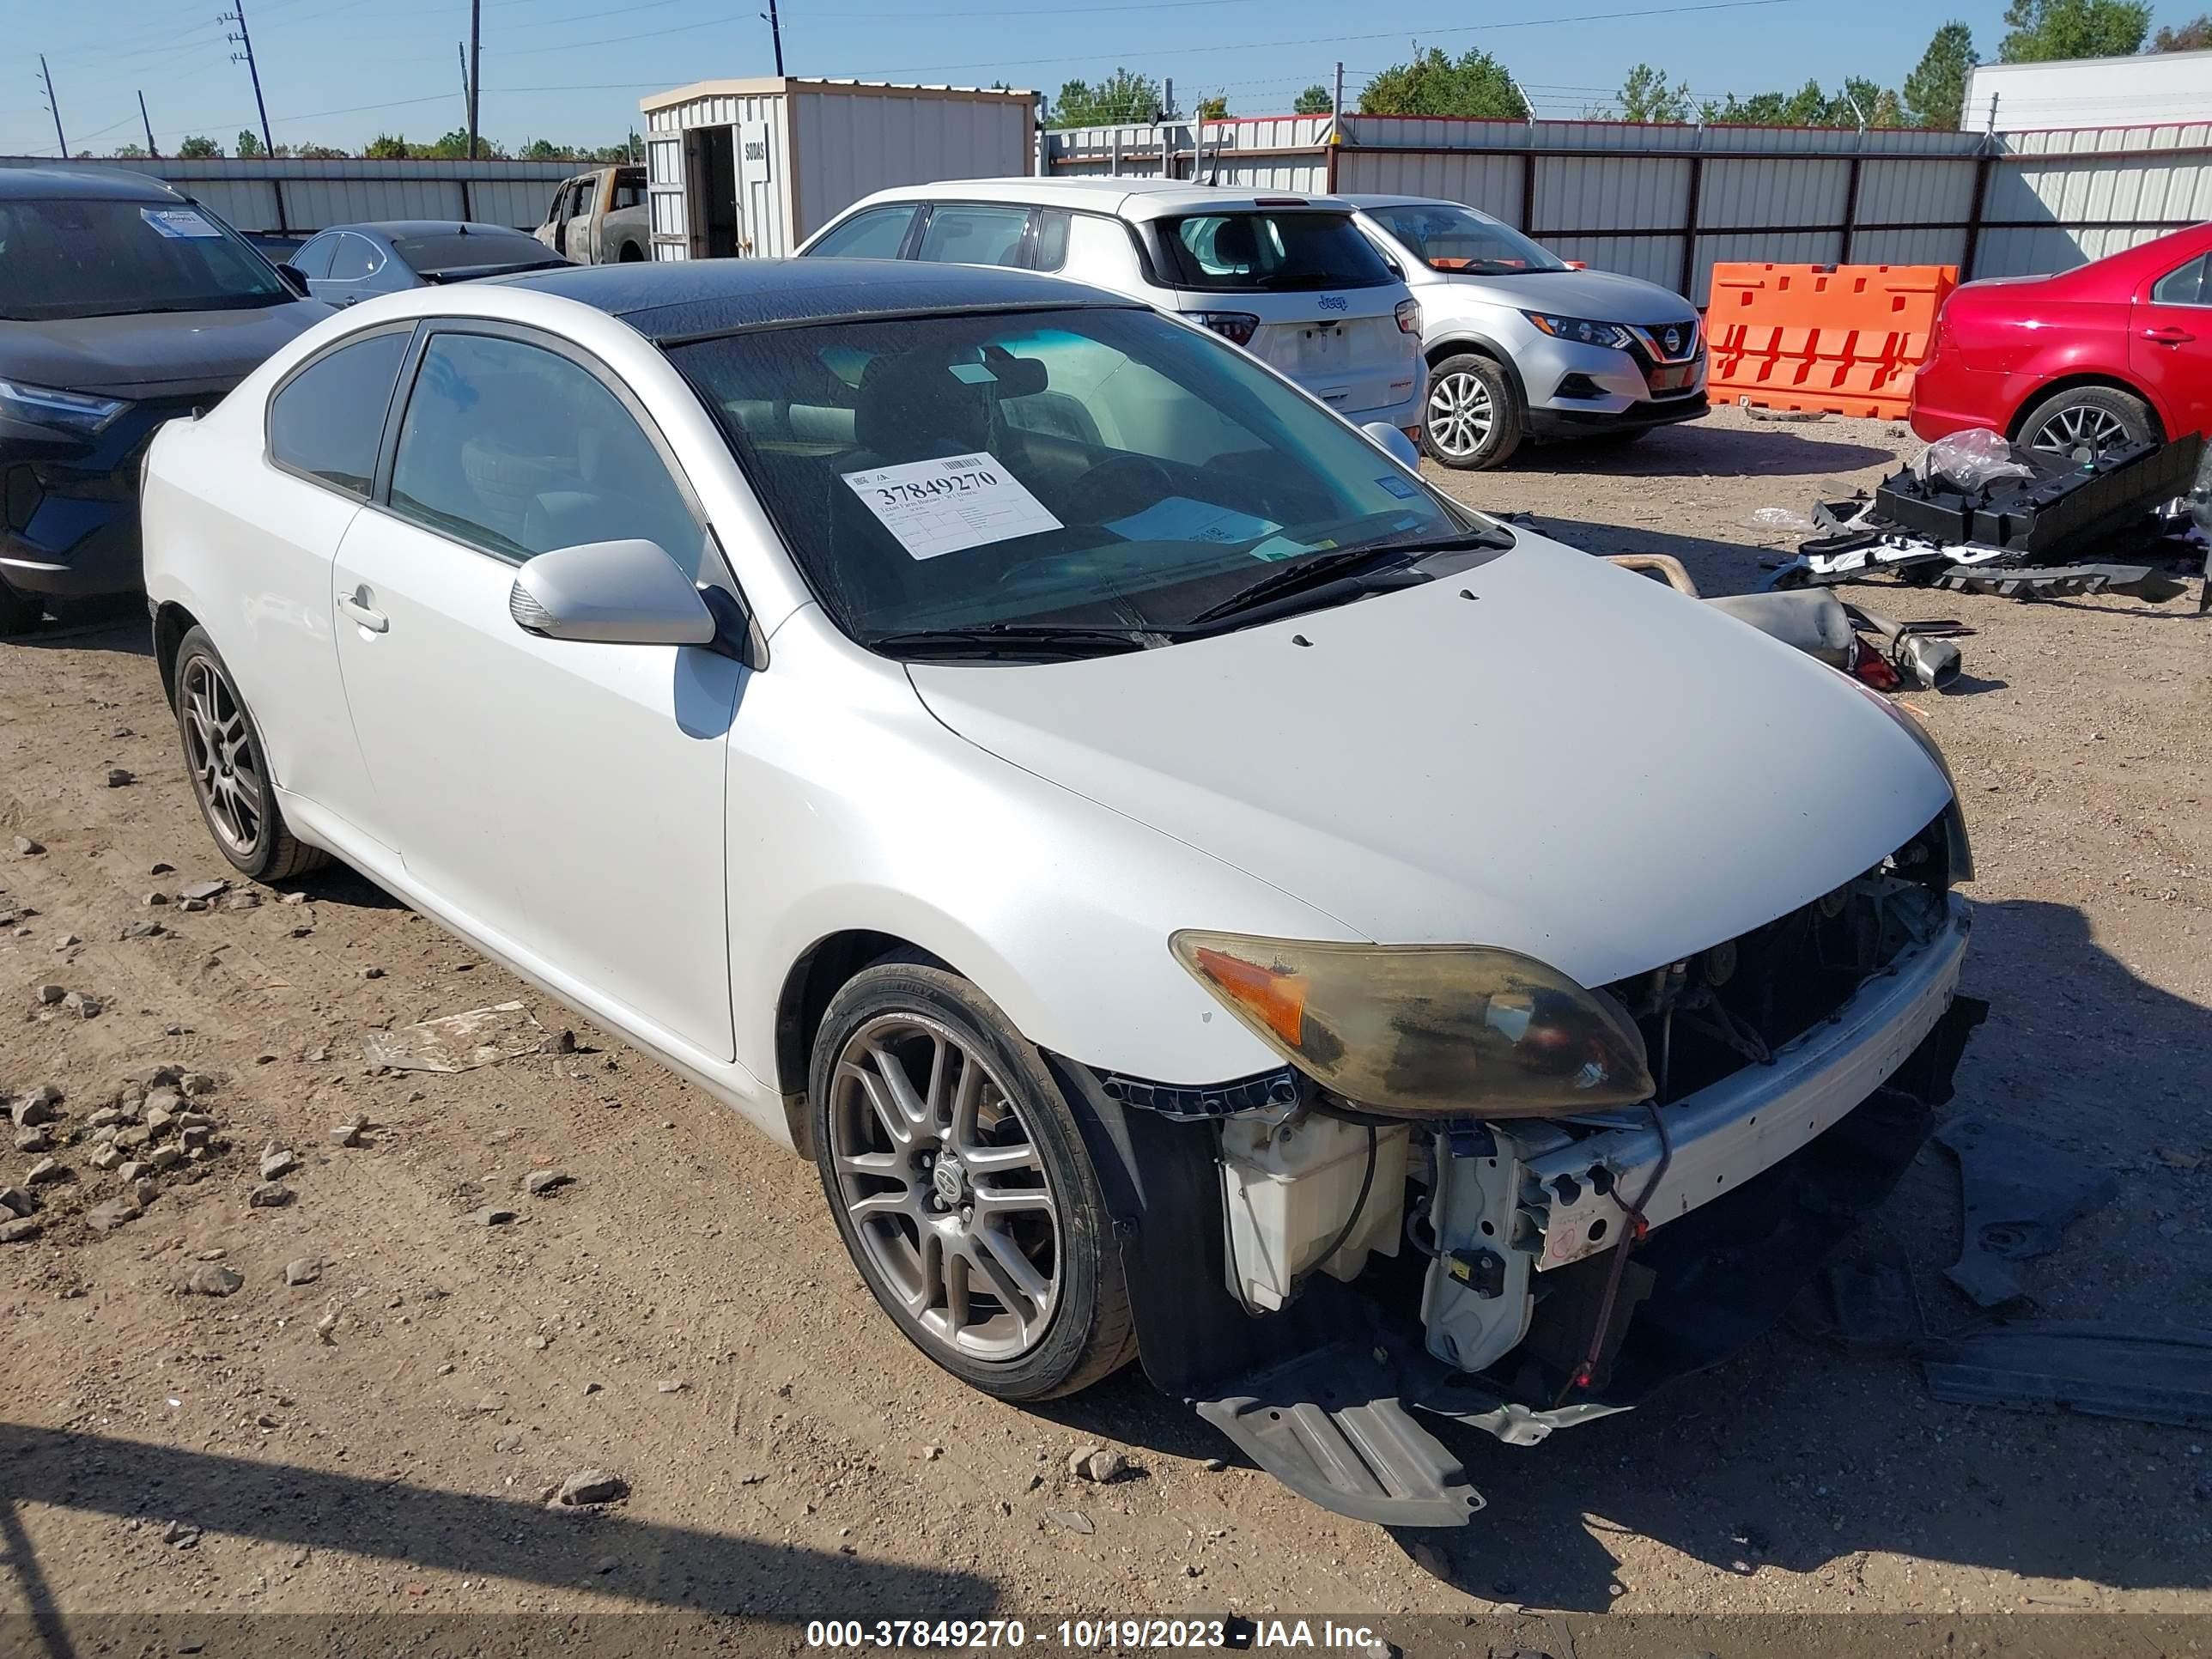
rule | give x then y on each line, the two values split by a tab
1124	474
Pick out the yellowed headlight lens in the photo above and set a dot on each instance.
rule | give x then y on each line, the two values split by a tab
1442	1030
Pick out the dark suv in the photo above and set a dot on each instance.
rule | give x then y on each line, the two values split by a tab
123	304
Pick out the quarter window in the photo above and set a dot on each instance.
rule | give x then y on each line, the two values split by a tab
879	233
314	261
327	419
2191	285
356	258
1051	238
976	235
516	450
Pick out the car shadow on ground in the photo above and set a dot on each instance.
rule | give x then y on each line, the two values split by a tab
600	1550
1797	1458
118	625
1691	450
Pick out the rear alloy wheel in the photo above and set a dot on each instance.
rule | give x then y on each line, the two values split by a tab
229	772
2086	423
958	1179
1472	419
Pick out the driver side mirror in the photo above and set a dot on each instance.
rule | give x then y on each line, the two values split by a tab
625	593
294	278
1394	443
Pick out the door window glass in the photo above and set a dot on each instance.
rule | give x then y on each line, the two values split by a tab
354	257
518	451
976	235
1051	238
2191	285
327	421
879	233
314	261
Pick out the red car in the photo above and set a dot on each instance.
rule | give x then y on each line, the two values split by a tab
2111	353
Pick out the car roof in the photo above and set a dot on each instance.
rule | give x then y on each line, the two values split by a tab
390	227
83	184
1365	201
1130	198
692	297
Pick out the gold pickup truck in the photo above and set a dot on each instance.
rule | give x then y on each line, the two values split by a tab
599	218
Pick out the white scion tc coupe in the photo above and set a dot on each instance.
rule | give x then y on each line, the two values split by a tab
1197	893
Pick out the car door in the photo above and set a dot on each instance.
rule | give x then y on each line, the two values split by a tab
2170	344
562	801
583	235
324	428
979	234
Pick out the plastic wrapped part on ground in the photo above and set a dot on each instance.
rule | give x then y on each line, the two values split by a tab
1783	522
1969	460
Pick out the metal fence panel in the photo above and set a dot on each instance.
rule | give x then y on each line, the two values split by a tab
1896	192
1764	194
1655	258
1624	192
1489	182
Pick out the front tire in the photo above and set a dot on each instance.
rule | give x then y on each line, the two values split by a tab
2085	422
230	771
958	1181
1472	418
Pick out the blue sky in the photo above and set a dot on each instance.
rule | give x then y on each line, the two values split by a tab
340	72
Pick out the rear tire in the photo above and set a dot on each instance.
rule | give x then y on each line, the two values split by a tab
230	771
1472	418
2086	422
958	1179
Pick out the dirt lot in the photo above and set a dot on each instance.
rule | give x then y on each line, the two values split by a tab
382	1438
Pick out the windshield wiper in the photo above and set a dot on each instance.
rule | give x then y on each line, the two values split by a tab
1025	636
1337	565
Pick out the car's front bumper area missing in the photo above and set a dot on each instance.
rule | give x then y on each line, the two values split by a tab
1768	1170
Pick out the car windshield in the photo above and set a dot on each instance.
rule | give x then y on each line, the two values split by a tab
60	259
1459	241
1087	468
1229	251
456	250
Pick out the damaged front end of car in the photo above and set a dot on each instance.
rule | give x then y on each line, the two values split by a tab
1479	1191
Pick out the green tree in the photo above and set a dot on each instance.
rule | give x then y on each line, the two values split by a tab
2044	30
2195	35
1314	101
387	147
1646	96
1215	108
197	149
249	145
318	152
1123	96
1936	91
1475	84
131	152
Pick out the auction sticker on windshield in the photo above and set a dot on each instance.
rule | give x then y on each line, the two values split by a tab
178	223
948	506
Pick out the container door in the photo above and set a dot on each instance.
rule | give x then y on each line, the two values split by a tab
755	190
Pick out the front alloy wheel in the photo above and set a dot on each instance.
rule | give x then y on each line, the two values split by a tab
958	1179
944	1186
1472	419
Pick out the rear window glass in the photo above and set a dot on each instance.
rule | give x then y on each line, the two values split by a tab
1275	251
454	250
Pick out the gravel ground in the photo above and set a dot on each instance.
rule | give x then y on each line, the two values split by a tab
389	1432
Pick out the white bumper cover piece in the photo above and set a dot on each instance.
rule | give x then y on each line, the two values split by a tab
1722	1136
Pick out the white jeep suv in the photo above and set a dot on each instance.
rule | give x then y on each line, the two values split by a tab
1287	277
1522	344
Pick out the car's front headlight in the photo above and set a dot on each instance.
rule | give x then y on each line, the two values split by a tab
1428	1030
1580	330
46	405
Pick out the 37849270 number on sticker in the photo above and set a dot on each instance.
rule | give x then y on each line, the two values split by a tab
950	504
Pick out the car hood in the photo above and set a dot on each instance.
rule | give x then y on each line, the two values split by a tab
153	354
1601	296
1581	764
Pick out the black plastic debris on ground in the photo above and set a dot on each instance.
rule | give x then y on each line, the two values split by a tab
2020	1195
2063	509
2105	1370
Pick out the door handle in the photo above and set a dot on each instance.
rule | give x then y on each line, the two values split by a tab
2168	336
356	604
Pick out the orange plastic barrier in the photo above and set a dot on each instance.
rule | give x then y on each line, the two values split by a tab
1840	339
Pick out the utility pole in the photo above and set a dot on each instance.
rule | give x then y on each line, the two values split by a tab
53	104
475	69
150	150
244	40
776	36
